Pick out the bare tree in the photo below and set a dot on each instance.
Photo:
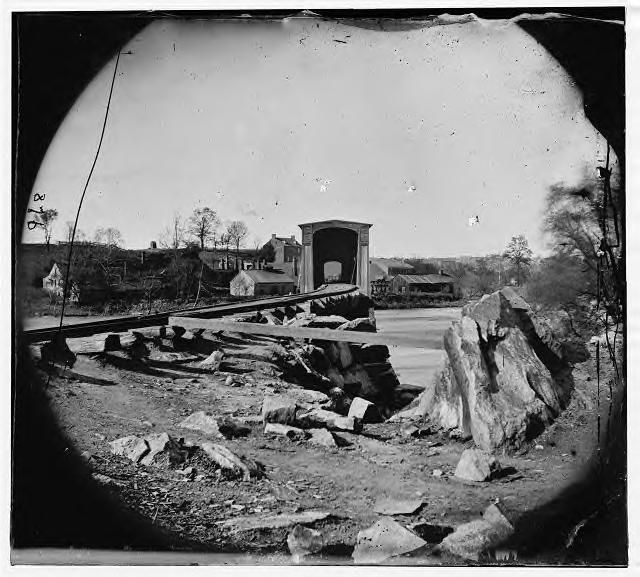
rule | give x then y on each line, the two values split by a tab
173	236
237	231
225	241
80	235
519	254
110	237
202	225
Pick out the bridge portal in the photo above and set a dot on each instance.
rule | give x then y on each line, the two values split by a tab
335	251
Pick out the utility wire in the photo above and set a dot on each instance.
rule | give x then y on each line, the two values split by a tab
65	290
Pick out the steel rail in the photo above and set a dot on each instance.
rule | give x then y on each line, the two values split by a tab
127	323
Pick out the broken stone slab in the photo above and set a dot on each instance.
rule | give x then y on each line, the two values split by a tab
253	522
472	539
203	423
292	433
232	463
476	465
95	344
250	419
150	332
163	449
132	447
319	322
367	325
383	540
332	421
266	317
231	429
234	381
322	437
364	410
128	340
390	506
277	409
213	361
303	541
306	396
188	337
325	322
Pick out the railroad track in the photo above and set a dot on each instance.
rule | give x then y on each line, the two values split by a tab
127	323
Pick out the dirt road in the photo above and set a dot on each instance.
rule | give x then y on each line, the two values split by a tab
104	399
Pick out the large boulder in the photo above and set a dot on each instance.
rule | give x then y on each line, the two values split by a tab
500	383
557	332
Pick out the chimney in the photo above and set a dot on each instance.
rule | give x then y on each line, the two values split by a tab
293	237
153	244
441	272
273	236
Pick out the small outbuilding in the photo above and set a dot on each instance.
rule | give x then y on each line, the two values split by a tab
423	285
262	283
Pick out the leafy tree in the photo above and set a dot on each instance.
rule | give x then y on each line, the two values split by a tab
202	225
586	222
519	255
46	219
562	281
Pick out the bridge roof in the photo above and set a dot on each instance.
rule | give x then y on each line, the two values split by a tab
336	222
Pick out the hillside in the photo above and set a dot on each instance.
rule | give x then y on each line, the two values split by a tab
112	279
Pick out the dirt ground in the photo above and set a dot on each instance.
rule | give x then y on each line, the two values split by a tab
101	400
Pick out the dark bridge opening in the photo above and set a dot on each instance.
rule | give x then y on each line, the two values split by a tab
337	245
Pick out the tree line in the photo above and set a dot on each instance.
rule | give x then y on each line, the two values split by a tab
101	266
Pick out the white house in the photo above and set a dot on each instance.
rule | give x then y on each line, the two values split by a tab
53	283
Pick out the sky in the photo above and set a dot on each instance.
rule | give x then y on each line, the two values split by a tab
280	123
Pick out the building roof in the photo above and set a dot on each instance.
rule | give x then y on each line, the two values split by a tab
336	222
268	276
288	240
391	263
425	278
